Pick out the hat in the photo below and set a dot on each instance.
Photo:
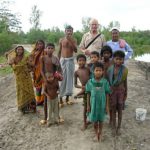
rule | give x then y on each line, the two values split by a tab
114	28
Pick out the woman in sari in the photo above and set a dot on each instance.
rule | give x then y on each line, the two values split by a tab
36	54
24	87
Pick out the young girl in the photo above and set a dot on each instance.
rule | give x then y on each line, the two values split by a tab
97	90
94	57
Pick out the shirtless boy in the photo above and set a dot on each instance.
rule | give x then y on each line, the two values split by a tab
49	63
83	74
68	46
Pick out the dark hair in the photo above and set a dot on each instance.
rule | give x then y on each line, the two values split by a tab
106	48
41	42
95	53
18	47
50	44
81	56
98	64
119	53
68	27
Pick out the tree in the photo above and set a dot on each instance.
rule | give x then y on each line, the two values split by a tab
114	24
85	24
8	20
35	17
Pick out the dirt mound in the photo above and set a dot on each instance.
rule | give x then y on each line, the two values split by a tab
22	132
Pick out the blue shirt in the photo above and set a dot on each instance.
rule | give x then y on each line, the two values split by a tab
115	46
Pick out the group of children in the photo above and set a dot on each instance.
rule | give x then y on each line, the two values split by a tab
104	88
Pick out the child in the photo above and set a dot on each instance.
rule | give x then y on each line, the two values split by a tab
49	63
94	56
83	74
97	90
117	76
51	92
106	55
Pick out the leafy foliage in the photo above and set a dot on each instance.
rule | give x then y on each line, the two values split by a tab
35	17
10	32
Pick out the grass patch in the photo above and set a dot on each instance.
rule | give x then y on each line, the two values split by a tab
6	69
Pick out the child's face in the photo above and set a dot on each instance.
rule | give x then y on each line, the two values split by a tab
118	60
98	72
20	51
50	50
94	58
106	54
50	78
81	62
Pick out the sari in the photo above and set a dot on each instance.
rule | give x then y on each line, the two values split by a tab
37	77
24	87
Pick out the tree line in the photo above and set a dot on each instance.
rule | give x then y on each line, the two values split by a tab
11	33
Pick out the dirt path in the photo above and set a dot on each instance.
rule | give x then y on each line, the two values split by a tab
23	132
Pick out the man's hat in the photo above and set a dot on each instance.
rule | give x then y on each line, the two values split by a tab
114	28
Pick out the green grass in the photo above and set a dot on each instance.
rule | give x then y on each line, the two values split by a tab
5	70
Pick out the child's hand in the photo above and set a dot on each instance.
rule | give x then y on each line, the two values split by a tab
107	110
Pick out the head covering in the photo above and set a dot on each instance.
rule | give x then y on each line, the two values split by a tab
114	28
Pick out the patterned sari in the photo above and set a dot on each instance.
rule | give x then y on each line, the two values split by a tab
24	87
37	77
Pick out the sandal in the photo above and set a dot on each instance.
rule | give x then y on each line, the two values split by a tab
69	102
43	122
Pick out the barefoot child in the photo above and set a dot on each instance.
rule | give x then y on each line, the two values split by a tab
106	55
68	46
94	56
117	76
97	90
83	74
49	63
51	92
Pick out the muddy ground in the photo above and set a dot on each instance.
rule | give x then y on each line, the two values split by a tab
23	132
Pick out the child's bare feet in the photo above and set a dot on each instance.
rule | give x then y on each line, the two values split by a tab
113	131
118	132
61	105
69	102
84	127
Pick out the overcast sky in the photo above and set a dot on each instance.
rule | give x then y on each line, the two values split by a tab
129	13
